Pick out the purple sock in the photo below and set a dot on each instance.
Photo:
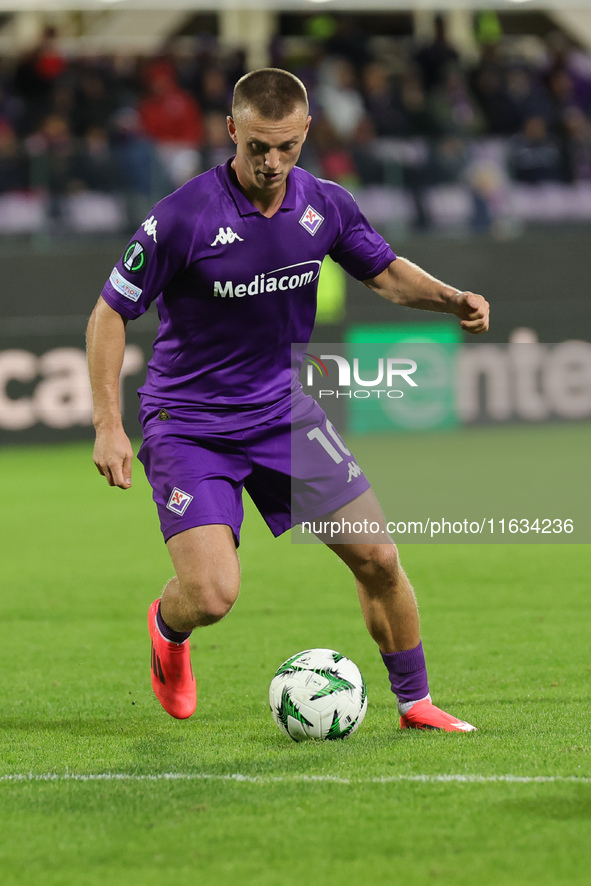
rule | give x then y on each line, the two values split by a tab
168	633
408	673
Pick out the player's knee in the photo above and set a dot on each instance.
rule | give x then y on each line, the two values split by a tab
377	565
208	602
213	608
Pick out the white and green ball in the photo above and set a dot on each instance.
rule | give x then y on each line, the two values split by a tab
319	694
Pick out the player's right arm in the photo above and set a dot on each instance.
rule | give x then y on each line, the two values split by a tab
105	345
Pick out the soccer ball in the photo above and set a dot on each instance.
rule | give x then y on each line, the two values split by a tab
318	694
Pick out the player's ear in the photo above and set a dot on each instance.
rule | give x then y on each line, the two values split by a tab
308	121
232	129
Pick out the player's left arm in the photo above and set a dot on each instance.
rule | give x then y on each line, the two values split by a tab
404	283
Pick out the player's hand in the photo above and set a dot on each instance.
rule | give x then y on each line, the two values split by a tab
473	311
113	456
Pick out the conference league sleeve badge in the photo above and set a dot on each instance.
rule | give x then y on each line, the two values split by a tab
135	258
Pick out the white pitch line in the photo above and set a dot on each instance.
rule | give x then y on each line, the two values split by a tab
279	779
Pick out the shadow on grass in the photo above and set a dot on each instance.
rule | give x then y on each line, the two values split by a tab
570	806
516	701
85	726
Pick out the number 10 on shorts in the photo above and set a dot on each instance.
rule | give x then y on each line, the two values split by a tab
335	454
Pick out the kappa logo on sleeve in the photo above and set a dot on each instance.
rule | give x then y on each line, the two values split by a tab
123	286
311	220
179	501
149	227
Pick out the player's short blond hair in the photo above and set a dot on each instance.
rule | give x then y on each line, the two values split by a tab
270	92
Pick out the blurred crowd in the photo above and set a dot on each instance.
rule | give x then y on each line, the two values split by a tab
413	118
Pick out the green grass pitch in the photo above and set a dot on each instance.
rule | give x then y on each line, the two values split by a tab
98	785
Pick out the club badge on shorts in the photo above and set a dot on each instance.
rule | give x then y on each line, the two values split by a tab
311	220
179	501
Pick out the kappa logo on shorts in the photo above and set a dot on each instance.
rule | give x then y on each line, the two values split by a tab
354	471
311	220
179	501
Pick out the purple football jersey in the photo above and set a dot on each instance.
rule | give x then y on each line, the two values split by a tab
235	289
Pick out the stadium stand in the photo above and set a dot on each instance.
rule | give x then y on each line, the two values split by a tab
424	139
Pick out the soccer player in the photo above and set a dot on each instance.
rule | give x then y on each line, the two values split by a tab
231	259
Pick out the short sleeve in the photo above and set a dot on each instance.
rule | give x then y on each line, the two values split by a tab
359	249
153	256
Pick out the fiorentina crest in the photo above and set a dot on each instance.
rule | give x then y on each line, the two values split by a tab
311	220
179	501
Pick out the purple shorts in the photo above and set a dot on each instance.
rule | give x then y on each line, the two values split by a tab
294	467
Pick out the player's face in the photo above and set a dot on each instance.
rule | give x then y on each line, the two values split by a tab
267	150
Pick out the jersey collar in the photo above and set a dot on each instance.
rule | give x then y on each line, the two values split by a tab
243	205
